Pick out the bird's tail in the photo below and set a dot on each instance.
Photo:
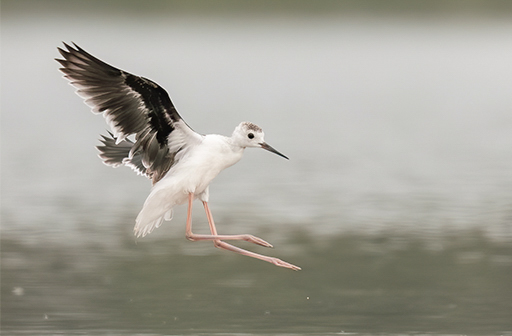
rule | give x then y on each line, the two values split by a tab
156	209
144	227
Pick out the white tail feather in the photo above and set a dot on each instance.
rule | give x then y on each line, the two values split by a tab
158	207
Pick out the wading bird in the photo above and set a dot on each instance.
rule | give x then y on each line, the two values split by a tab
180	162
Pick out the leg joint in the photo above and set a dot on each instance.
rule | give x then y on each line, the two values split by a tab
217	243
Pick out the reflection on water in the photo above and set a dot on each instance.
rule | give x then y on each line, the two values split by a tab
381	284
396	201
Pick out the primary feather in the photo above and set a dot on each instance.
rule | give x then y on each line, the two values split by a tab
132	105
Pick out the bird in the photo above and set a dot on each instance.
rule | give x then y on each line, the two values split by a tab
149	135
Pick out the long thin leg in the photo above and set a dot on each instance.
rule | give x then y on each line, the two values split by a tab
223	245
214	236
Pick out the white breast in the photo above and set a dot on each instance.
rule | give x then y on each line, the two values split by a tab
201	164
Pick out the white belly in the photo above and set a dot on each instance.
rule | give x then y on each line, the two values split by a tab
191	174
197	168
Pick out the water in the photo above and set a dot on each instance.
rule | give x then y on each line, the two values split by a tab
350	283
397	200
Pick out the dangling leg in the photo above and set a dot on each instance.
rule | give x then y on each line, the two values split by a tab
223	245
214	236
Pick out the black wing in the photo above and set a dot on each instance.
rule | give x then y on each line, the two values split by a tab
131	105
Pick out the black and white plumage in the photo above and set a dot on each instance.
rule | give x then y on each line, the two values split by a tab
180	162
131	105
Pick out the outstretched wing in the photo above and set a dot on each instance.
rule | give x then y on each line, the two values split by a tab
131	105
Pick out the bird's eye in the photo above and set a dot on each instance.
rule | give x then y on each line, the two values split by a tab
250	136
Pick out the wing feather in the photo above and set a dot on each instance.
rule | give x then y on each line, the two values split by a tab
131	105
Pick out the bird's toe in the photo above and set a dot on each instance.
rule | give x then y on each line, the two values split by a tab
256	240
282	263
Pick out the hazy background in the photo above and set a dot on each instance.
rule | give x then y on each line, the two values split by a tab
396	200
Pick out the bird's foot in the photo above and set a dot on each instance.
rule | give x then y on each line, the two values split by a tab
253	239
282	263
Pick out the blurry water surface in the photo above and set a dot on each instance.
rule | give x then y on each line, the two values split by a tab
396	201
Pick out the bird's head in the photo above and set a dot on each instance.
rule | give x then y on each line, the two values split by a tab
250	135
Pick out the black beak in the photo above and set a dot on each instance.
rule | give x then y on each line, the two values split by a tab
266	146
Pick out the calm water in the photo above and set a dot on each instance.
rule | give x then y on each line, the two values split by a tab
396	202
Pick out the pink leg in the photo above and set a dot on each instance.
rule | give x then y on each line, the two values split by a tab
214	236
223	245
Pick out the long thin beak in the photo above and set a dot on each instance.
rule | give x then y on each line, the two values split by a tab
266	146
